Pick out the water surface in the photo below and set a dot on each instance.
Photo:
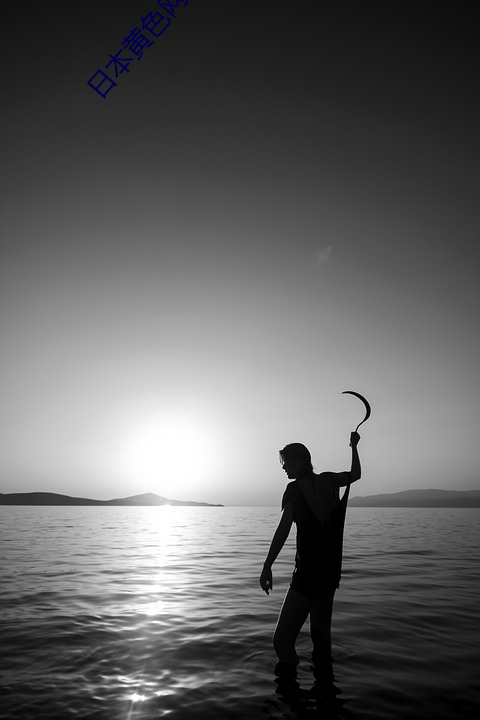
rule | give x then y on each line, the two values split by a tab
143	613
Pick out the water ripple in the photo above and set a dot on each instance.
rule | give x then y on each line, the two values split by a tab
143	613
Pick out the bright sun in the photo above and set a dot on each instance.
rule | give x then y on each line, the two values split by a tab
172	455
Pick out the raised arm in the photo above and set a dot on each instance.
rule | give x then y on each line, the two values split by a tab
278	541
347	478
356	469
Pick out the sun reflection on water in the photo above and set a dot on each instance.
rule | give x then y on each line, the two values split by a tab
137	698
154	609
161	581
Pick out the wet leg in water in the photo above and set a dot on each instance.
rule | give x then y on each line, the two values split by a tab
294	612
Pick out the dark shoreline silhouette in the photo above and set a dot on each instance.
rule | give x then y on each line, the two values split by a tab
421	498
407	498
47	498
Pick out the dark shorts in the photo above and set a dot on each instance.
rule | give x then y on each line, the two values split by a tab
311	585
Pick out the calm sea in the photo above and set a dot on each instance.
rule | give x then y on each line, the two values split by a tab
143	613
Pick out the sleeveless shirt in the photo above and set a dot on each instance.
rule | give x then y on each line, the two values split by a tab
318	559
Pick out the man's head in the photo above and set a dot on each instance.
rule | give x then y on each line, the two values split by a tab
296	460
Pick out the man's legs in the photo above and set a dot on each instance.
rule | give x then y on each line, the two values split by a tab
292	616
320	628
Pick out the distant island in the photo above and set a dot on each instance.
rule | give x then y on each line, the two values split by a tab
421	498
47	498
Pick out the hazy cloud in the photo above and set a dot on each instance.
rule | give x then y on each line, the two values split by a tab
324	254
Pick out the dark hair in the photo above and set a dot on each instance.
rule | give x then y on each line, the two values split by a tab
298	453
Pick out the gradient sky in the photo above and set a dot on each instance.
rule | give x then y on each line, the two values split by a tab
278	202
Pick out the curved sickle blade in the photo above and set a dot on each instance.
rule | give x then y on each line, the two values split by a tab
365	402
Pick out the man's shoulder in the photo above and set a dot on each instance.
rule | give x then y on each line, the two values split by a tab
290	492
325	476
291	488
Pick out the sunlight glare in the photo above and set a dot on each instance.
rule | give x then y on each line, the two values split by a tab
137	698
170	453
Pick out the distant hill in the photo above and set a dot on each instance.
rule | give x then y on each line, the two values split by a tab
421	498
46	498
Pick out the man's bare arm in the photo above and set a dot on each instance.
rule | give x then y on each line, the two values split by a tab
278	541
347	478
281	534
